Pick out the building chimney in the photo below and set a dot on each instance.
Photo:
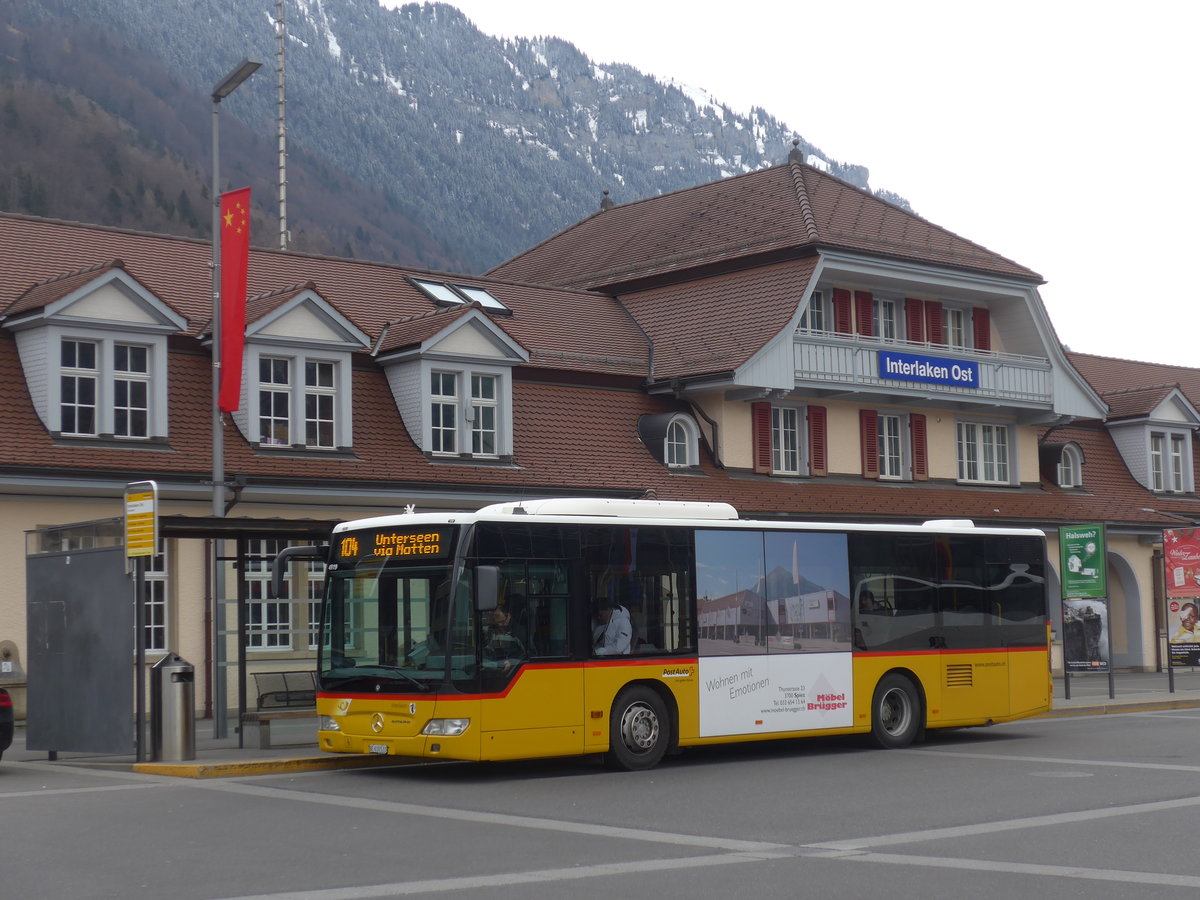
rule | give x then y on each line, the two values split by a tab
606	202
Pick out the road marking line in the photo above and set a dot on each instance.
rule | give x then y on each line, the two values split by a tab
990	865
958	831
51	792
1075	763
542	876
506	819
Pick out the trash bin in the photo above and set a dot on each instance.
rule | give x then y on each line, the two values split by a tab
172	709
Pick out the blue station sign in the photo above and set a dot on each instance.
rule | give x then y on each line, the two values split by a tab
928	369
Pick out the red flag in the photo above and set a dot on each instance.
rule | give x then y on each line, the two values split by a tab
235	259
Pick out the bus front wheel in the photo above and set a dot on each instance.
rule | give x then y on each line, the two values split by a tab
639	729
895	712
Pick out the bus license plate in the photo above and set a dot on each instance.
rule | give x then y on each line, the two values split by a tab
381	749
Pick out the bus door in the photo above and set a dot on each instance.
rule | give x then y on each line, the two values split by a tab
531	694
975	660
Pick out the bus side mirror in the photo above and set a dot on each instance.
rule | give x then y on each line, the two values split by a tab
281	561
487	587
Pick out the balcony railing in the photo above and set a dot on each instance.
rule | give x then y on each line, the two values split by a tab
823	358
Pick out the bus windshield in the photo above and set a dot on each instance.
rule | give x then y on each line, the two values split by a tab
386	622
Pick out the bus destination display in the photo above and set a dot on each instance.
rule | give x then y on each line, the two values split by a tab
394	543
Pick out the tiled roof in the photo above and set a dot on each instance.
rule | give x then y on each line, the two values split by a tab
55	288
545	320
1107	375
728	317
1134	402
782	208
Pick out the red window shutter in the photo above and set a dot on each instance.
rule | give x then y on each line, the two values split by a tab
920	447
760	422
981	320
934	332
841	311
864	308
914	320
818	441
869	432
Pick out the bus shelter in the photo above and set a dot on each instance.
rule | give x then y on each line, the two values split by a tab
81	602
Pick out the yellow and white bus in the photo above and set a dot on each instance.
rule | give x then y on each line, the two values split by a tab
474	636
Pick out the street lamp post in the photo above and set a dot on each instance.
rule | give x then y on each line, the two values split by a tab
223	89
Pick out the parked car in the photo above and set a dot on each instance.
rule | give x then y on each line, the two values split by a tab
6	721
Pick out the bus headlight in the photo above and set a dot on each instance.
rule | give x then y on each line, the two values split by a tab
328	723
446	727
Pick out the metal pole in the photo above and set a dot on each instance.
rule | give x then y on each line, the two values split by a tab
218	438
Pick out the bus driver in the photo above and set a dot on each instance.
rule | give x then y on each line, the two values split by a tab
613	633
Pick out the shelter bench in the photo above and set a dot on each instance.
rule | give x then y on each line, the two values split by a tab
278	696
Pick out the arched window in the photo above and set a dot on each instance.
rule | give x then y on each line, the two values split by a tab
1070	467
681	443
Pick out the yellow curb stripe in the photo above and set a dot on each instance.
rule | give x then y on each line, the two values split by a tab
263	766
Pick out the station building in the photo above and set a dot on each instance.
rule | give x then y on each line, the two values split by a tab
778	340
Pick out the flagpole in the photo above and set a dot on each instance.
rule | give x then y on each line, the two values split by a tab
224	88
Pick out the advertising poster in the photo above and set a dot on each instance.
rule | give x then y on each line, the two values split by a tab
775	692
1082	558
1181	560
1085	635
1181	556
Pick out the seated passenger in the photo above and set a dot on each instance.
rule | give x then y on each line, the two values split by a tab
613	633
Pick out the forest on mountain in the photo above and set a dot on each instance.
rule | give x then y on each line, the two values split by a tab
412	137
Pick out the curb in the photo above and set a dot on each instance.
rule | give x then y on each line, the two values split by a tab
1115	708
263	766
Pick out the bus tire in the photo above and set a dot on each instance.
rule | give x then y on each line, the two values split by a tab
639	729
896	713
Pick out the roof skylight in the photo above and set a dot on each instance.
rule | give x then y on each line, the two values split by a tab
447	294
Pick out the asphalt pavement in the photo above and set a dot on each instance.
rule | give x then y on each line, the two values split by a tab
294	746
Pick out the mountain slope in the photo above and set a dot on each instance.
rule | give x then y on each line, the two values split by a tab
412	136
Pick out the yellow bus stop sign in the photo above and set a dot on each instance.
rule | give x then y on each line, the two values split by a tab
141	519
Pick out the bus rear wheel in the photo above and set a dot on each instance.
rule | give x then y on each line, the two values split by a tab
896	713
639	730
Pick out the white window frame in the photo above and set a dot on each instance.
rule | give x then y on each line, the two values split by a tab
681	443
294	394
1069	473
279	393
131	380
815	318
78	377
884	318
956	327
157	620
443	405
268	621
483	413
105	378
480	427
984	452
787	440
1170	469
320	404
893	456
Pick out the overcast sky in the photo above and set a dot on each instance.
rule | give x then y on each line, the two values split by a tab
1060	134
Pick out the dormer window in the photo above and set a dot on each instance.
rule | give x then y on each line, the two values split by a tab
1168	462
815	317
1070	467
672	438
104	388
